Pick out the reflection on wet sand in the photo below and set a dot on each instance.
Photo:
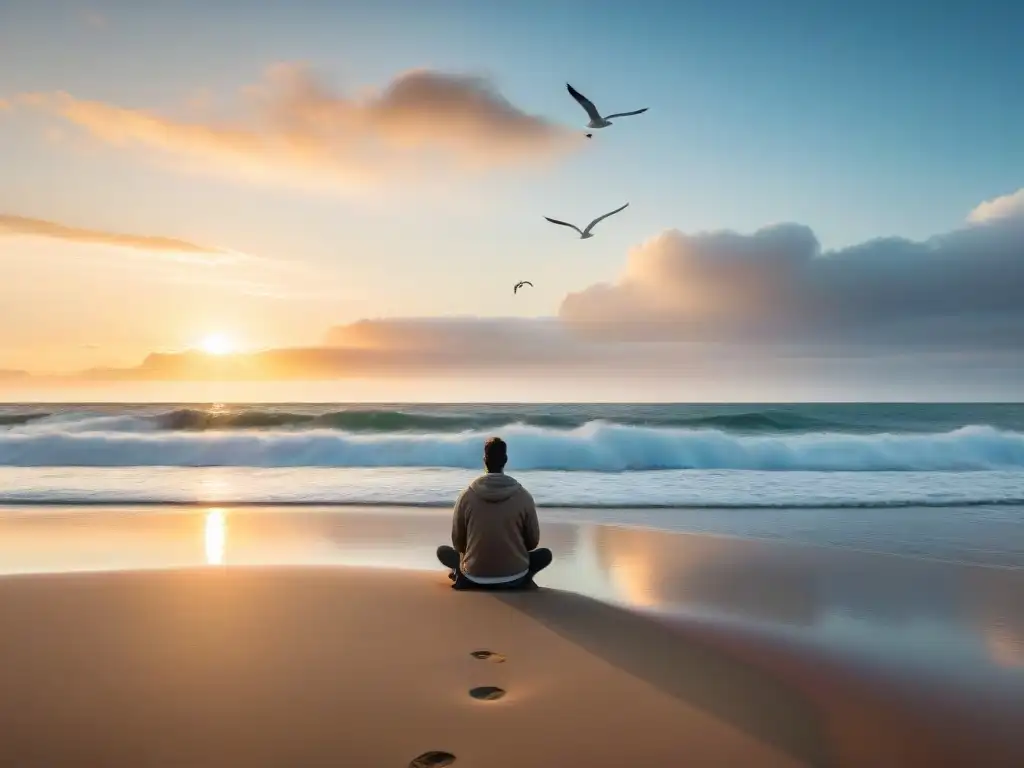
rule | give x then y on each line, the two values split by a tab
999	608
930	613
61	541
215	536
652	569
1005	646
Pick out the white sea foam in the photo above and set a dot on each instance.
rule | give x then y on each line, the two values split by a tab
666	489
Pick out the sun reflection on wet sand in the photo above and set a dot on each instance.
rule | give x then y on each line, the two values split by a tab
1005	647
215	536
632	575
998	611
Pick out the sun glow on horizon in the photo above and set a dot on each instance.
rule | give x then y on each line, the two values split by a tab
217	344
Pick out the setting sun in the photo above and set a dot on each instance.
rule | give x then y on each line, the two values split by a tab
217	344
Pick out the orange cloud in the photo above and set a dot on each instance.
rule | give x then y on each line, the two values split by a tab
22	225
295	125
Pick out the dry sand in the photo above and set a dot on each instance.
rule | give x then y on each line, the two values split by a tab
360	667
310	667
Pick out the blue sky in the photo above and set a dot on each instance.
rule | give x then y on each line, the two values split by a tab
860	120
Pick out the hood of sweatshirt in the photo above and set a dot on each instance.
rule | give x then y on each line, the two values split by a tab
495	487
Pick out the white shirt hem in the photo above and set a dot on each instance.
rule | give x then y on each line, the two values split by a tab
496	579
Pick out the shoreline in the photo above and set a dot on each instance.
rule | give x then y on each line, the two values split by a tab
29	503
611	516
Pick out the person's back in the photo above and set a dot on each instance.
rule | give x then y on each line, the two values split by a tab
495	530
494	527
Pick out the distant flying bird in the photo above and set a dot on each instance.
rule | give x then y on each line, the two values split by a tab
585	233
596	121
520	284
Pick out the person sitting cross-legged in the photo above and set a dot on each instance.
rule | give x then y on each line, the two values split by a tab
495	531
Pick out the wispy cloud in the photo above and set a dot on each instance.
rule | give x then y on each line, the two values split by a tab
174	261
11	225
296	126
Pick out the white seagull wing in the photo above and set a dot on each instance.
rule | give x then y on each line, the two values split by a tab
594	223
584	102
564	224
626	114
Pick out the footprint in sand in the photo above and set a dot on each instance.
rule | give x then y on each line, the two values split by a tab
486	693
433	759
497	658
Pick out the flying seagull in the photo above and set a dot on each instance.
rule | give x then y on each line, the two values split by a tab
585	233
520	284
596	121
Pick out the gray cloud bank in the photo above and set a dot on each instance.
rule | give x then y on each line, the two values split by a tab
965	287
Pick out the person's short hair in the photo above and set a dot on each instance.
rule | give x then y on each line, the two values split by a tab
495	454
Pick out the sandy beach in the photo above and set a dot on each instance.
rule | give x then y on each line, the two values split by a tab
228	638
337	667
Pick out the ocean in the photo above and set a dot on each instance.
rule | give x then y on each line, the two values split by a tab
936	480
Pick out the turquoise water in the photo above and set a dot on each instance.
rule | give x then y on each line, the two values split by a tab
862	418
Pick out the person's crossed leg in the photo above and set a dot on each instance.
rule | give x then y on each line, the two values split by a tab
540	559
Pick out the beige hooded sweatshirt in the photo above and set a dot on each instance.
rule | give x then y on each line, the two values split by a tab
495	526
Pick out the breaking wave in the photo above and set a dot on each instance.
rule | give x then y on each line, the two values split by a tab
601	446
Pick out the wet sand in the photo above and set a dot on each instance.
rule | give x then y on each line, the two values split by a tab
277	638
